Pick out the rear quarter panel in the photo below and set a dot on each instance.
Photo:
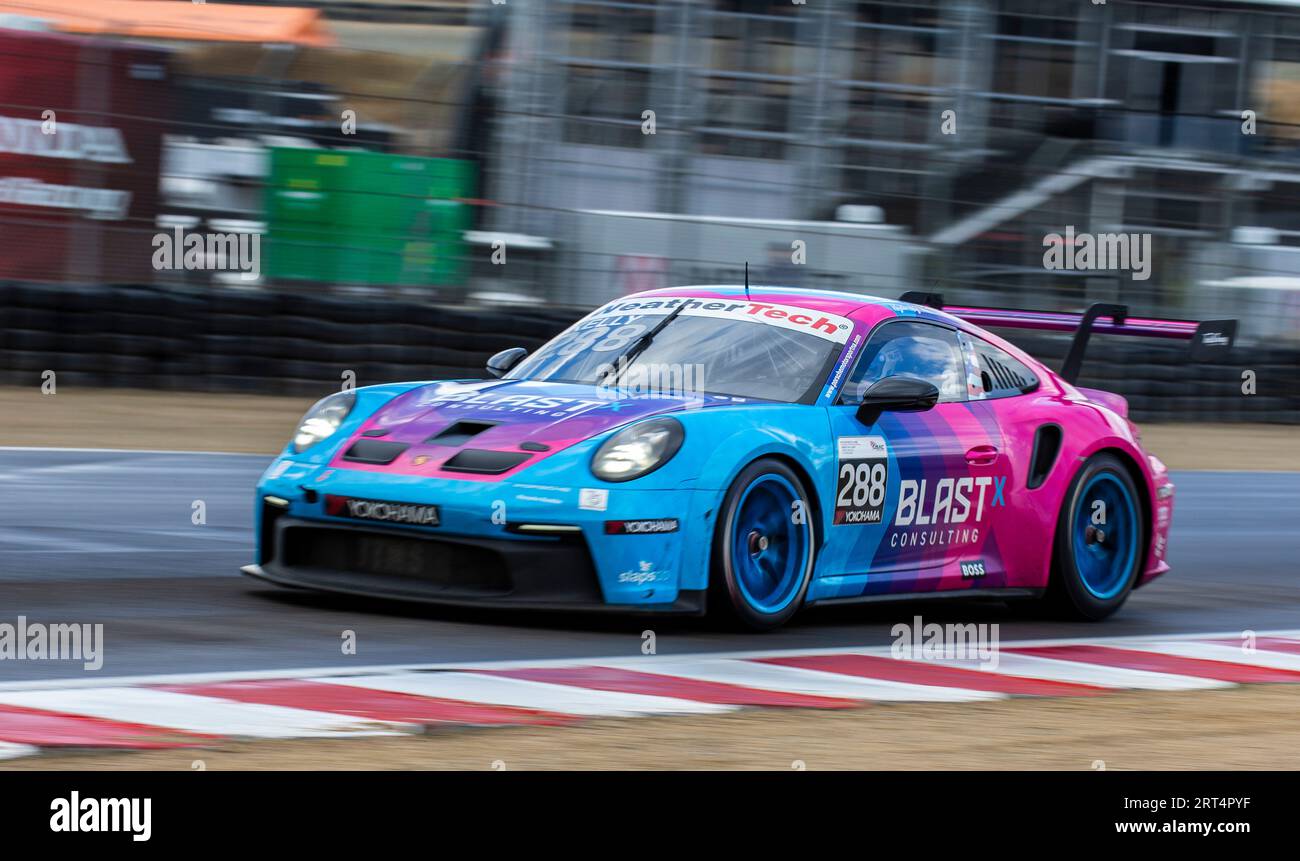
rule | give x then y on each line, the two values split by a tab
1087	427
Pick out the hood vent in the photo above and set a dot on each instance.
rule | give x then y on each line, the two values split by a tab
375	451
484	461
460	433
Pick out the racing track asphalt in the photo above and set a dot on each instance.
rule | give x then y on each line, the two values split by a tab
106	537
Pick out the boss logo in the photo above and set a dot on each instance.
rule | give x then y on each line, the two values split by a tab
972	569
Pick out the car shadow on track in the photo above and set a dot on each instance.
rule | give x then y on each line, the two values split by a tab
814	619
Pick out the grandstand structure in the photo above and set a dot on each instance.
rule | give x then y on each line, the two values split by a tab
977	126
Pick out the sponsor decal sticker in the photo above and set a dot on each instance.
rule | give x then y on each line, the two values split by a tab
831	327
1212	339
862	479
480	398
641	527
549	500
949	500
972	569
845	362
645	573
903	310
385	512
593	499
536	405
952	508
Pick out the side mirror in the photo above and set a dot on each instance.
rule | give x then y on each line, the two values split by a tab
503	361
896	394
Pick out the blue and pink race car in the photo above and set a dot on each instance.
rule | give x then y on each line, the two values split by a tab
750	451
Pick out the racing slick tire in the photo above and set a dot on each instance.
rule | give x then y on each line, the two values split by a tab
1100	541
763	546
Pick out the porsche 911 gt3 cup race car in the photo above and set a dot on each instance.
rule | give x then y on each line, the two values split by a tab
752	450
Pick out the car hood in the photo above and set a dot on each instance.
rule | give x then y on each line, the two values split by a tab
441	428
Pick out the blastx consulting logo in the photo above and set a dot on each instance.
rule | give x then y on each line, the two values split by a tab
950	502
955	503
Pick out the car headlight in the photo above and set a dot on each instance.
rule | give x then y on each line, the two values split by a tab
638	449
322	420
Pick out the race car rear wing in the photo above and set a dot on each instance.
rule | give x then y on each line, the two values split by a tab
1209	339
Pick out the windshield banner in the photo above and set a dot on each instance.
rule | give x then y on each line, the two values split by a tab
830	327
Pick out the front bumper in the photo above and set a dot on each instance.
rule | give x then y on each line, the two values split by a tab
688	603
412	566
476	554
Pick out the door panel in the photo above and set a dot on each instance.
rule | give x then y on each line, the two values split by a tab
915	493
943	474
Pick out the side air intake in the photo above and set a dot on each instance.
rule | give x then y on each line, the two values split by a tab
1047	445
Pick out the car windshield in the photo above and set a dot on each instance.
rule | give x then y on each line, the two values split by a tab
692	356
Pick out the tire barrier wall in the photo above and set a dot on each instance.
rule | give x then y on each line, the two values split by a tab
247	341
1162	386
290	343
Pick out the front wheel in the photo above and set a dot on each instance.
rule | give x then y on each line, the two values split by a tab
1100	540
763	546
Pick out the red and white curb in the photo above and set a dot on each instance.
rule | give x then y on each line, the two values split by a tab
198	710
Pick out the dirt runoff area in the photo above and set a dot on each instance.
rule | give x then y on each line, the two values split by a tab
1234	729
260	424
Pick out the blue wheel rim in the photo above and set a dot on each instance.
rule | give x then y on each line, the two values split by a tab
769	551
1105	552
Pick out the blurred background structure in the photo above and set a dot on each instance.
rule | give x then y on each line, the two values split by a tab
451	153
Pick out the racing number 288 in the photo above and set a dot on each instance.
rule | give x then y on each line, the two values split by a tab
865	482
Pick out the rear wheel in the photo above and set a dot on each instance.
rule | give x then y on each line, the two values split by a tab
1100	541
763	546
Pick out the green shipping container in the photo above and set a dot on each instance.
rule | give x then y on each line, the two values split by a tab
367	218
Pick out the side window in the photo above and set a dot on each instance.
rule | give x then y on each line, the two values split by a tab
1001	374
910	349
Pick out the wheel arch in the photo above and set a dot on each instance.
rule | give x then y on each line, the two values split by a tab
1144	492
814	498
725	588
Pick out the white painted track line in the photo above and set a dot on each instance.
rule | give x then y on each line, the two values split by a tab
1034	667
205	715
1227	654
144	700
10	750
793	679
565	699
644	662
